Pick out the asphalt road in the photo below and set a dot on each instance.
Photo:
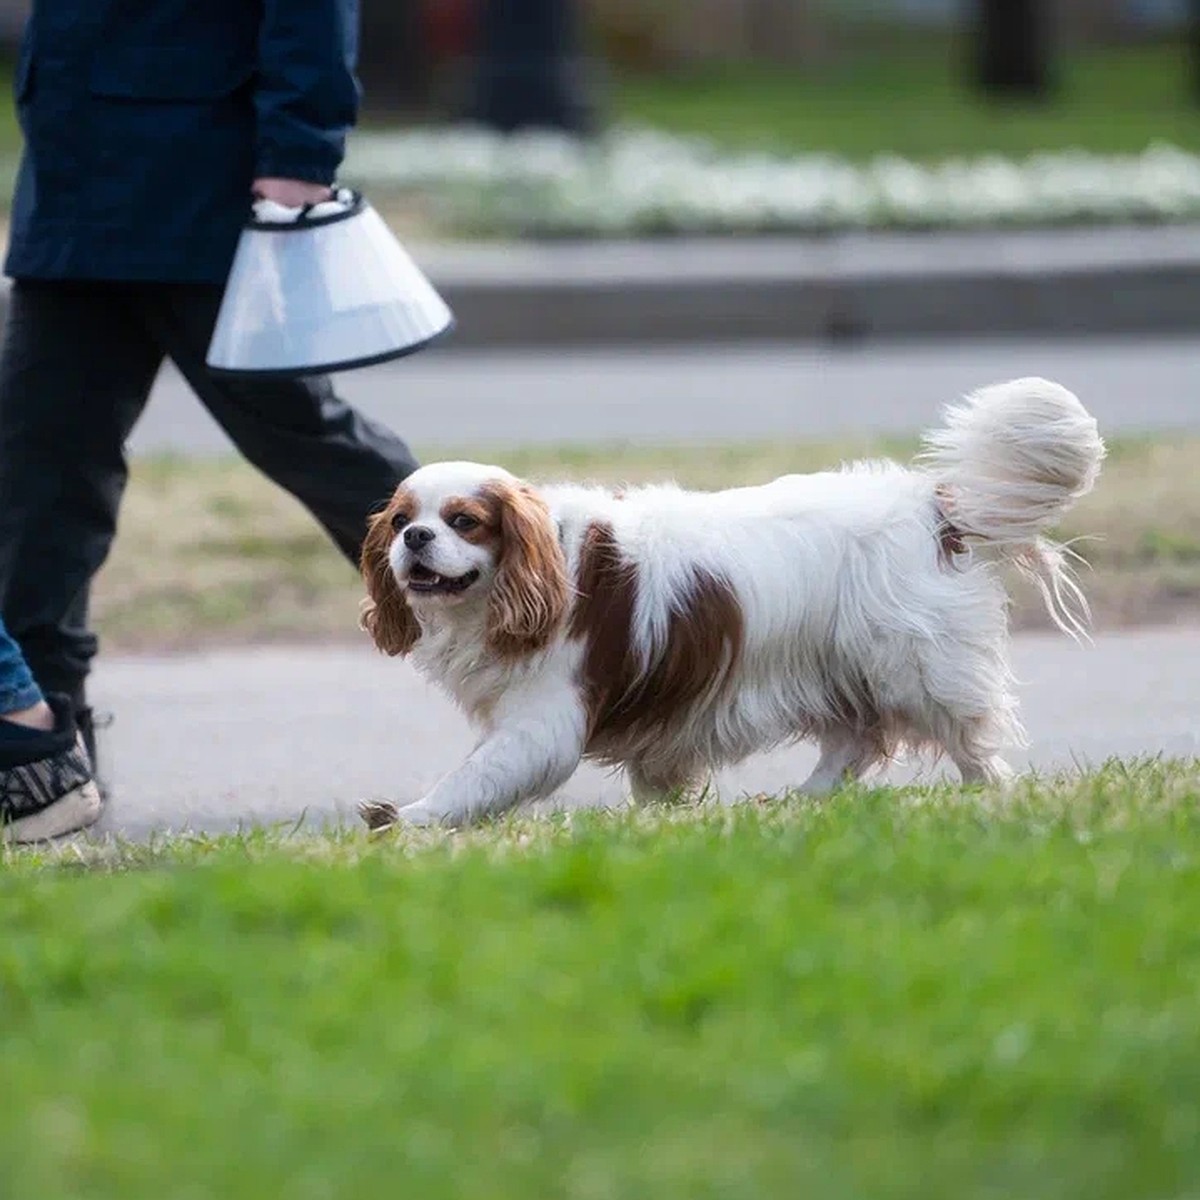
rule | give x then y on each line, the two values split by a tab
445	398
218	740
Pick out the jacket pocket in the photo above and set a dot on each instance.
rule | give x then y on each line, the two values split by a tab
169	73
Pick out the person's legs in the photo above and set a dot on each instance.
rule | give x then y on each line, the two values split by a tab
76	369
46	785
335	461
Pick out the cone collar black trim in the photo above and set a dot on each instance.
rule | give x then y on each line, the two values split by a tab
352	364
304	222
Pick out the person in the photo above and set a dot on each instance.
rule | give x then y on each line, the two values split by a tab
149	126
46	784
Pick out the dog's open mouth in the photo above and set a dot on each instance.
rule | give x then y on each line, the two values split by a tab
422	579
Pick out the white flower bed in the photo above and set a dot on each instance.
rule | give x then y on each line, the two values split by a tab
635	181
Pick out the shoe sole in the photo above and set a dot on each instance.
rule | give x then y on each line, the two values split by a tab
76	810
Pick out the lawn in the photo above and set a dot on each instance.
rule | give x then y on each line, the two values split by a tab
896	994
209	551
912	101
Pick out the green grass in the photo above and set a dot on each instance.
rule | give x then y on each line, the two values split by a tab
913	101
896	994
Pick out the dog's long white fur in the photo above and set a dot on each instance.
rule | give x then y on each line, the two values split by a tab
859	630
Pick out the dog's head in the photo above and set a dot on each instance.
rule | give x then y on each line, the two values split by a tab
470	543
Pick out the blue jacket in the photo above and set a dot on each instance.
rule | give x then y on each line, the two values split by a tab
146	121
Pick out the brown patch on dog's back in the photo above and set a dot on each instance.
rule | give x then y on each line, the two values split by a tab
603	618
704	643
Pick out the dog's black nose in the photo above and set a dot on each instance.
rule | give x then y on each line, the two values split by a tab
415	536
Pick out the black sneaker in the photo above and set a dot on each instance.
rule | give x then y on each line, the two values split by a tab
46	784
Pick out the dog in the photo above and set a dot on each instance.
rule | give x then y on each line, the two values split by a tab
671	632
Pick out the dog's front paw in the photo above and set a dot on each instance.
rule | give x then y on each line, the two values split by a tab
378	814
418	815
381	815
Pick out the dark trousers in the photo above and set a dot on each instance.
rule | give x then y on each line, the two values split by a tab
76	368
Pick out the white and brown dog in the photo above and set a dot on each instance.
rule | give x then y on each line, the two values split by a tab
672	632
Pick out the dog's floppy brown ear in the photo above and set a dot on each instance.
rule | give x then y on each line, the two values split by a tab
529	596
386	615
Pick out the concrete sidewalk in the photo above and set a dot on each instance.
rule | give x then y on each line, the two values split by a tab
218	740
1061	282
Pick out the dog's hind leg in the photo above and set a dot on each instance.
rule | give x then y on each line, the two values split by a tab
662	785
992	771
967	708
976	762
846	755
973	743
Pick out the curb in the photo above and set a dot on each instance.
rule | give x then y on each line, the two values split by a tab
1068	282
1044	283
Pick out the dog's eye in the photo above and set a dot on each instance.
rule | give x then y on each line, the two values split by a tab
462	522
399	520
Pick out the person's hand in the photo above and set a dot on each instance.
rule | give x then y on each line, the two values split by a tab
292	193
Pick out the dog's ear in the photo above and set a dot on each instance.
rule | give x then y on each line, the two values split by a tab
530	594
386	615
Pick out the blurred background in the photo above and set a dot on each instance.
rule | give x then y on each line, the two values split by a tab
734	115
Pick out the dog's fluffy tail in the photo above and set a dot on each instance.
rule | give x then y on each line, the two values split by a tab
1008	463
